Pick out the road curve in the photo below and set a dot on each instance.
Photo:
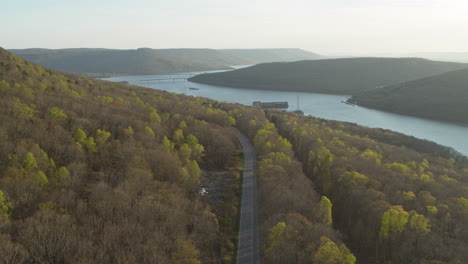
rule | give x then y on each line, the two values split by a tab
247	246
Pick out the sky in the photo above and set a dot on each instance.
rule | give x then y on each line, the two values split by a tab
322	26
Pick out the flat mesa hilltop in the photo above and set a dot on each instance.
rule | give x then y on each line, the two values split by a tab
329	76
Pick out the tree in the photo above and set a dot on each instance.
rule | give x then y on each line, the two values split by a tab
29	162
394	220
330	253
4	206
185	253
275	237
57	114
325	211
80	136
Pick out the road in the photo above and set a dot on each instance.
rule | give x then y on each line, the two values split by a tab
247	247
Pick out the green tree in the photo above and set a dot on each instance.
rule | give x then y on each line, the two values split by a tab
57	114
102	136
30	163
394	220
185	253
149	131
4	206
275	237
325	211
42	178
330	253
80	136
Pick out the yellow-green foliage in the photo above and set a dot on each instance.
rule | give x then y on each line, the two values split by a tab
102	136
394	220
24	111
154	117
400	168
409	196
419	223
372	155
275	236
129	131
80	136
24	90
185	253
353	178
197	149
29	162
167	144
338	142
55	113
42	178
90	144
178	137
149	131
62	175
447	179
4	86
329	253
4	206
325	211
106	99
432	209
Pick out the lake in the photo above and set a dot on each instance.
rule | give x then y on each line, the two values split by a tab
318	105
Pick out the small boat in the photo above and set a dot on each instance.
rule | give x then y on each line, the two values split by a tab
192	88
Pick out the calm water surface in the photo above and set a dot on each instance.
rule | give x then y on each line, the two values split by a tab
318	105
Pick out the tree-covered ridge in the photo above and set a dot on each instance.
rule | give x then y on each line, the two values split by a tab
443	97
100	172
105	62
97	172
331	76
395	205
295	222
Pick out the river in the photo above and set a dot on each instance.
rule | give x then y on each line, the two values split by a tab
318	105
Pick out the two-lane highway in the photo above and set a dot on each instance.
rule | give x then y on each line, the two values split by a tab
247	247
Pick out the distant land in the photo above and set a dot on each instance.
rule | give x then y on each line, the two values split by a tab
443	97
441	56
330	76
273	55
146	61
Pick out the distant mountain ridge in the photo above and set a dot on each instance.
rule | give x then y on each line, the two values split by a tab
145	61
273	55
330	76
443	97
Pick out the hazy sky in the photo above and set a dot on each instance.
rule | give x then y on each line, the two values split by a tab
324	26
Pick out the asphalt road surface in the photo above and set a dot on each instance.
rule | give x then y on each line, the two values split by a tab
247	247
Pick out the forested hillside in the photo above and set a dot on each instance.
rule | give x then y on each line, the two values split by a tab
97	172
100	172
107	62
272	55
443	97
393	204
334	76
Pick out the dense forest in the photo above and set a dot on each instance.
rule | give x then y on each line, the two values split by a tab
97	172
107	62
443	97
393	204
332	76
100	172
